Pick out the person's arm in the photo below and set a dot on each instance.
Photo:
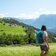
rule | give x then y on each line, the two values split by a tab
35	28
46	41
45	37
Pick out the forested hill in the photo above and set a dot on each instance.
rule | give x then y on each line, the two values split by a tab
15	32
11	21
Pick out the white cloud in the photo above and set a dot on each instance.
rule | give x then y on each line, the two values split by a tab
3	15
46	11
34	15
28	16
25	16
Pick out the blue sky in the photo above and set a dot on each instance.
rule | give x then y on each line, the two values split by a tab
26	8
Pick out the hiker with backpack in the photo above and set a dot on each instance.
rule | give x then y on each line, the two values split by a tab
42	40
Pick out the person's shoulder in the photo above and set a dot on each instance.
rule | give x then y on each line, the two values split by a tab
45	33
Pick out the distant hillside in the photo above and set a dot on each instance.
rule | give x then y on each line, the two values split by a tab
52	30
48	20
12	26
15	21
52	37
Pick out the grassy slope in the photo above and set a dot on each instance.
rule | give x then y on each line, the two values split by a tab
11	30
25	51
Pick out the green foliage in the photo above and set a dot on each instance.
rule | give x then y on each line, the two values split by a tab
12	35
31	35
9	39
52	37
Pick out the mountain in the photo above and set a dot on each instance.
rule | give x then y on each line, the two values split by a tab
48	20
26	21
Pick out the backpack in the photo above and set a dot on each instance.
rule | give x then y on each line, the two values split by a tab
39	37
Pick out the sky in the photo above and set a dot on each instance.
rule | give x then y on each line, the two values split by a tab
26	8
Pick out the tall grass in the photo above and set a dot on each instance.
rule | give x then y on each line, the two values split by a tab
17	30
25	50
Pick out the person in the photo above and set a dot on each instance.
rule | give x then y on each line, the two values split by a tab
43	40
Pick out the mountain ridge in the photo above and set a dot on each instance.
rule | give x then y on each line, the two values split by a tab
48	20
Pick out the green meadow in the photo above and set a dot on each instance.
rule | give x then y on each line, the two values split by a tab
28	50
17	30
